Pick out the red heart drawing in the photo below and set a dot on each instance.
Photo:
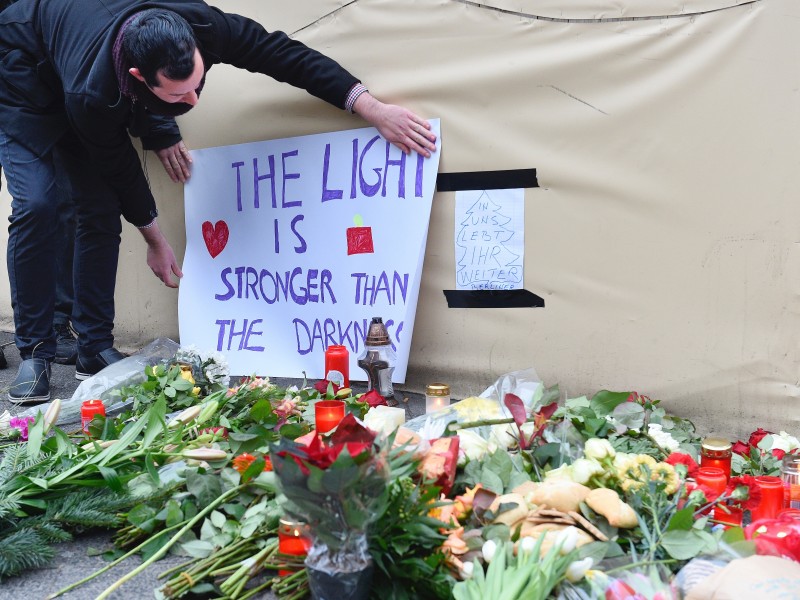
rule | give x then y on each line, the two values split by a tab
215	236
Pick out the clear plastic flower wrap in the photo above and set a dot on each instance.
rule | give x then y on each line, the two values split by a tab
106	384
487	406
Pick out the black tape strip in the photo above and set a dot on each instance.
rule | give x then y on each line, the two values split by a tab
492	299
487	180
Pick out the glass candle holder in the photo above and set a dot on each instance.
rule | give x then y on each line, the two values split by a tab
337	365
790	474
437	397
771	501
328	414
716	452
713	478
294	539
89	410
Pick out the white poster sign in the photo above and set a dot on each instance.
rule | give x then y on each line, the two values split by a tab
293	245
490	239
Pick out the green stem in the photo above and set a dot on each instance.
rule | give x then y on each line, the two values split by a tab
163	550
644	563
109	565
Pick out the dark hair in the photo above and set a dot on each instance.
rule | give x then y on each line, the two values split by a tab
159	40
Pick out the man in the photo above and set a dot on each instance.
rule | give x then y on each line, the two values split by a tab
66	344
75	77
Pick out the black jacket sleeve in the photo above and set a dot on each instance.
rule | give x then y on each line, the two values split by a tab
244	43
102	130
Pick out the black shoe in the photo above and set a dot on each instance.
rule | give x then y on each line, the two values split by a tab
32	383
91	365
66	345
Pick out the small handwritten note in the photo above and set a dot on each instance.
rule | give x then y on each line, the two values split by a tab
490	239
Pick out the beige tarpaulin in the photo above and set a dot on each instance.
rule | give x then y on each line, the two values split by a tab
664	234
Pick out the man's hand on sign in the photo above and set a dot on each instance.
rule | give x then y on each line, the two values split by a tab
398	125
176	160
160	257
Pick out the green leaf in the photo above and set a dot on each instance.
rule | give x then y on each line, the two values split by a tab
681	520
35	436
261	410
630	414
683	545
604	402
217	519
150	466
256	467
110	477
155	423
170	392
733	534
140	514
491	481
182	385
38	481
174	513
205	488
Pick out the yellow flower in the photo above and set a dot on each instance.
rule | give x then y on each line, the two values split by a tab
186	373
195	391
666	473
476	408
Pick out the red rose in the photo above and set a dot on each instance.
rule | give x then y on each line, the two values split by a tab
373	398
741	449
778	453
757	436
322	386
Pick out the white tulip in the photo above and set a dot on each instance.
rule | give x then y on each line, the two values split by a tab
527	544
466	570
488	550
566	540
577	569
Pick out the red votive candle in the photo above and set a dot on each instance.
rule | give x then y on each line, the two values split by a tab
293	539
771	497
713	478
90	409
716	452
327	414
337	365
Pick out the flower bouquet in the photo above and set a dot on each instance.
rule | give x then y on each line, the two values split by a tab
334	485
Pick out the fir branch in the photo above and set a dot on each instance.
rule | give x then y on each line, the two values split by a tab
22	550
88	508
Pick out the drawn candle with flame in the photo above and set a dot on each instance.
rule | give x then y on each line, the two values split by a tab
359	238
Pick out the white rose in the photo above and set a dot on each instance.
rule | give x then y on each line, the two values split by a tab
562	472
583	469
663	438
503	435
785	442
384	419
598	449
473	445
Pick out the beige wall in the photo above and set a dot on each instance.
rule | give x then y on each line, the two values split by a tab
664	236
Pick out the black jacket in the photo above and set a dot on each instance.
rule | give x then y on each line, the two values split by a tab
57	72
